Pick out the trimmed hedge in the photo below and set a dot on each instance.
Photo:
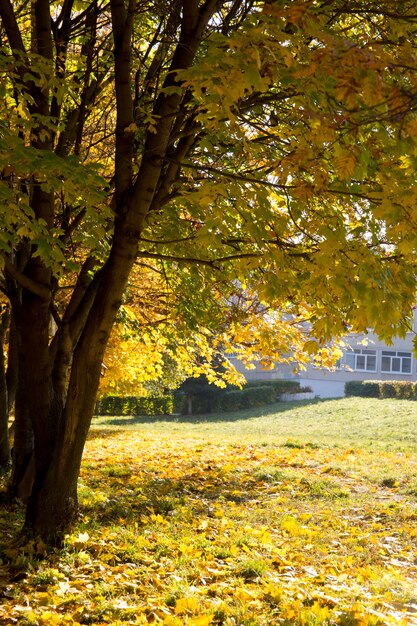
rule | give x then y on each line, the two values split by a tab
204	401
197	396
132	405
204	398
406	390
248	398
280	386
362	388
213	400
401	389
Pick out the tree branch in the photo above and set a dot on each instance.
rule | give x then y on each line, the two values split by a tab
39	290
122	21
194	23
43	29
8	18
209	262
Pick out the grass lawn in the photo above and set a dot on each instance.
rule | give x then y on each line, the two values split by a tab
302	514
370	423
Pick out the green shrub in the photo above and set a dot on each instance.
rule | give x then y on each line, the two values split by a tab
280	386
258	396
180	401
362	388
405	390
206	401
401	389
133	405
286	386
210	399
387	389
232	401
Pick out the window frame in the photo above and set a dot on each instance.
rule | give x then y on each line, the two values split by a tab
403	356
361	352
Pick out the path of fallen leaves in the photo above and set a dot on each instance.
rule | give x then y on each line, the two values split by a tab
179	531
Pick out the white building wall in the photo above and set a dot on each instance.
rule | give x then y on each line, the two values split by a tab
324	388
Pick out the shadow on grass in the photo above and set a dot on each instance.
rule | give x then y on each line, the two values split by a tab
101	431
202	486
232	416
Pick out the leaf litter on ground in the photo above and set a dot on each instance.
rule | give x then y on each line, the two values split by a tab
183	531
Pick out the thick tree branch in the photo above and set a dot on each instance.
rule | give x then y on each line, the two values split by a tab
194	260
122	21
194	23
43	29
31	285
11	26
61	38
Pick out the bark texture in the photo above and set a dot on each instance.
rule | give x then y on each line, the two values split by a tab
4	396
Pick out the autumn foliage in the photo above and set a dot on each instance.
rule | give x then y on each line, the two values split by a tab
240	174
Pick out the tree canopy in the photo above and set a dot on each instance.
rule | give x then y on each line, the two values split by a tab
256	159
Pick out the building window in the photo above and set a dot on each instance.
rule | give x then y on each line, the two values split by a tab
396	362
361	360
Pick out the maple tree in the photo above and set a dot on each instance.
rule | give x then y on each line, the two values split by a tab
265	145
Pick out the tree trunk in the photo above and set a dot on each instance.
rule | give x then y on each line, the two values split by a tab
4	404
12	371
21	480
34	427
22	438
53	502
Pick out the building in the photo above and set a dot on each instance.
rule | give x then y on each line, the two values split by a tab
365	357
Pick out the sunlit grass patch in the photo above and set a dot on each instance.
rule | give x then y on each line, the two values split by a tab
324	488
250	569
291	443
359	422
391	585
272	475
118	471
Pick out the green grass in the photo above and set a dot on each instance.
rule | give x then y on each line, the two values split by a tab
356	422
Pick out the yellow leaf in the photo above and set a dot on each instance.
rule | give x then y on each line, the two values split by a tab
345	165
50	618
132	128
202	620
186	605
172	621
40	547
292	527
311	347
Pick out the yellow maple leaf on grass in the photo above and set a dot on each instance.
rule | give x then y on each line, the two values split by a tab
201	620
184	606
